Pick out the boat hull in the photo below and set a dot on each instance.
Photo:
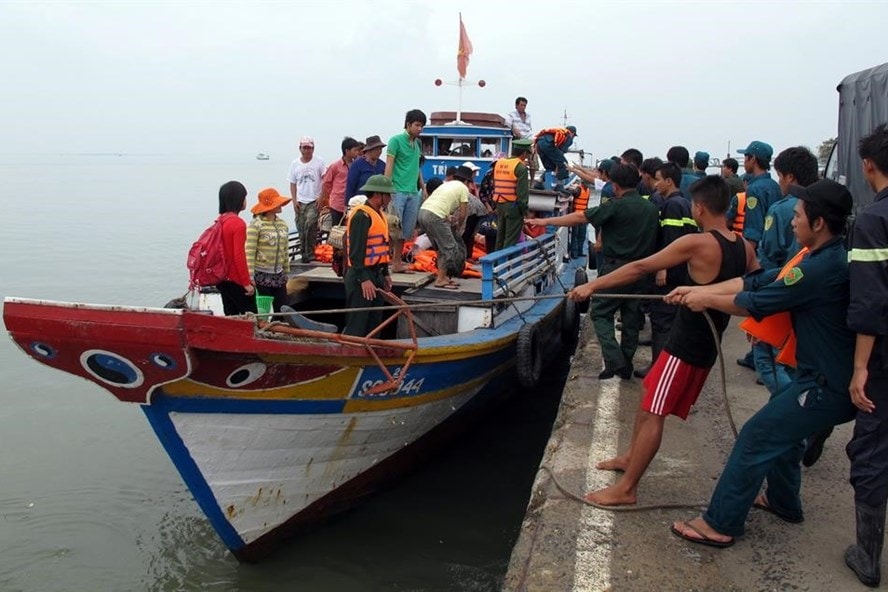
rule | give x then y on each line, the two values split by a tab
272	435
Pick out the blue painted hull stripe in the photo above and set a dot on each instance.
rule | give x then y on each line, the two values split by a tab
175	448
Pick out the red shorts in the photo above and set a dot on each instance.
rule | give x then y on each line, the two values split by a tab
672	386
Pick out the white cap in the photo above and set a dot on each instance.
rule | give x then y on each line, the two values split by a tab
475	168
306	141
357	200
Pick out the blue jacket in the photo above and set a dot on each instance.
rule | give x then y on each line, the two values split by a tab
778	244
816	295
761	193
358	172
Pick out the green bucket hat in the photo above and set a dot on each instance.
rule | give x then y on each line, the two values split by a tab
377	184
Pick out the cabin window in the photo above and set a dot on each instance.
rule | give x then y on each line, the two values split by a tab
427	144
465	147
489	147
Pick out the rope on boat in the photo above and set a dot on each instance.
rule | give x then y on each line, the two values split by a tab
407	308
440	303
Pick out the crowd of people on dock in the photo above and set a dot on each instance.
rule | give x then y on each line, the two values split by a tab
814	291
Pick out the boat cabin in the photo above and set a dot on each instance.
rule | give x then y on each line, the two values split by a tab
477	137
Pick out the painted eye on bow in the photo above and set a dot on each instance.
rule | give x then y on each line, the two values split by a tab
111	368
163	361
246	374
43	350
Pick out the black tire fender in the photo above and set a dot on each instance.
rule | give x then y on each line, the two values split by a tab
580	278
529	356
570	322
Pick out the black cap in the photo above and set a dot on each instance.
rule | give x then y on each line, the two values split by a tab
827	193
464	173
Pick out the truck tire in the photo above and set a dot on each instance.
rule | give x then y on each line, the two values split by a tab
529	356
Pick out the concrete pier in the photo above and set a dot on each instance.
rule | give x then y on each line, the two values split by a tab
566	545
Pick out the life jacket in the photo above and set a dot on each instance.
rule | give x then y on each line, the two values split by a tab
470	272
505	181
561	135
425	261
533	231
740	218
378	242
581	202
776	329
324	253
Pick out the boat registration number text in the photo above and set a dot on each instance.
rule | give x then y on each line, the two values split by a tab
408	387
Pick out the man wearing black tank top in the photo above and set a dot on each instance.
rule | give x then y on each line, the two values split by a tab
678	374
815	293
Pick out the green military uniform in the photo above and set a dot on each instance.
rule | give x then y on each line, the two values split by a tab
735	184
629	227
361	321
510	215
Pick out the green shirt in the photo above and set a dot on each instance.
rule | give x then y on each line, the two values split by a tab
628	226
522	190
735	184
405	169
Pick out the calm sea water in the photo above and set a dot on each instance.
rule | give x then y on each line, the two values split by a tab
88	498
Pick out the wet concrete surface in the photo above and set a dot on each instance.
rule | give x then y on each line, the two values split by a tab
566	545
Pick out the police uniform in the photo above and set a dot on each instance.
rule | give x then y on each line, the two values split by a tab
777	246
761	192
868	315
629	232
816	294
688	178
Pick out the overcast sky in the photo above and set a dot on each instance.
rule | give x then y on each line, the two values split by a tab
230	78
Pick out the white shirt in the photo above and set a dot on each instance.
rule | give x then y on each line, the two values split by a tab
307	177
525	128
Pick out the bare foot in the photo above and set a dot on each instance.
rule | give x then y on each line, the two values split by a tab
617	463
611	496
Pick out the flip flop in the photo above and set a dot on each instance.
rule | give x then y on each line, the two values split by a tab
702	540
763	505
448	286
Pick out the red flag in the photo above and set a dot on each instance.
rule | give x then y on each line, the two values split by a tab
465	50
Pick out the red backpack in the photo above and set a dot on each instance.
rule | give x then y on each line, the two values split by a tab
206	258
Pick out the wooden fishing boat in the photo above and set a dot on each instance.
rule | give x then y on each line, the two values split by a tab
273	426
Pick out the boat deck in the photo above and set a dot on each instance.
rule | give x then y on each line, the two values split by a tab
323	273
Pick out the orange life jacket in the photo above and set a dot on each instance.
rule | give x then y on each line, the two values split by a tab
378	242
776	329
740	218
425	261
581	202
324	253
505	181
470	272
560	134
